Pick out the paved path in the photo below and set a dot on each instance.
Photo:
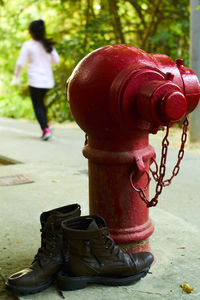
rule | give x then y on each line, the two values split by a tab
59	172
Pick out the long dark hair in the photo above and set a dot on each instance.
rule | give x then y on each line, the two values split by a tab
37	30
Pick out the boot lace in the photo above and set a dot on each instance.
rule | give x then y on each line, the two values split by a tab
110	244
48	243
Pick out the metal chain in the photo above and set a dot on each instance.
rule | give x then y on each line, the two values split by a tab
141	191
180	156
162	170
159	173
180	153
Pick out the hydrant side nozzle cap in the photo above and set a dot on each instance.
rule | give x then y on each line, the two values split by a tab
174	106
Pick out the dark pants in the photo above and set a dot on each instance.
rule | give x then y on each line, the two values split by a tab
37	96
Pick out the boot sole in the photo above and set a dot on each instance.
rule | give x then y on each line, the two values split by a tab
26	290
69	283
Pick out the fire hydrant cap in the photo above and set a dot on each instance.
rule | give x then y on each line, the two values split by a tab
174	106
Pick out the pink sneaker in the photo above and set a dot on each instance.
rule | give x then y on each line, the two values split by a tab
46	134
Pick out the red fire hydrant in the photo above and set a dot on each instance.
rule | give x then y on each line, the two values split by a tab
118	95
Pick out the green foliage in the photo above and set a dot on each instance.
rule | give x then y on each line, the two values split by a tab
78	27
16	106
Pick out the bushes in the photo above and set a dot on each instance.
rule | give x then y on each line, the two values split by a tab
78	27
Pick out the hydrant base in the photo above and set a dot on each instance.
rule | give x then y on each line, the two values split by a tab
132	235
142	246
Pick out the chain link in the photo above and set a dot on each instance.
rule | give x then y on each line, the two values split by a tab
159	173
180	153
141	191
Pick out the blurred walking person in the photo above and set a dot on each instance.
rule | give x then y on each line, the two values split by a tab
40	55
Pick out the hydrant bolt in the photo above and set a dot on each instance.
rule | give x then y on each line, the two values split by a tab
179	62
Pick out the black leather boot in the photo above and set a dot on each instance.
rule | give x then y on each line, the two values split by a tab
50	256
95	258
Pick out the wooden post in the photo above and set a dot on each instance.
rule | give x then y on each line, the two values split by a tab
195	64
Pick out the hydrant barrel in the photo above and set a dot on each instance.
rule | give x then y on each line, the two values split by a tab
118	95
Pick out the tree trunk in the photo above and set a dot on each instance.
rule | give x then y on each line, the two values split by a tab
116	22
152	25
89	13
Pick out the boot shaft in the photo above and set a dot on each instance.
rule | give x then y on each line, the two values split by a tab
52	243
92	250
57	215
85	234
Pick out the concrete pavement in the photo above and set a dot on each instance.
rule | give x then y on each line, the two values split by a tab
59	172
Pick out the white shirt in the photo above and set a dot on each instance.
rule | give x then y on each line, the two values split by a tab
40	73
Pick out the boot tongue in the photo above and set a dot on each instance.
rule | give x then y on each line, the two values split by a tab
46	216
93	226
54	216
